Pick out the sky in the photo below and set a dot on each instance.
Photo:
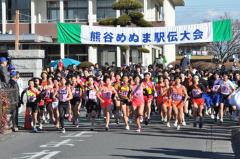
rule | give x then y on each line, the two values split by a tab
196	11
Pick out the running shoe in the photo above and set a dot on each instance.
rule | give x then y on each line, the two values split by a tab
107	128
35	130
141	119
200	125
221	121
138	130
168	124
117	121
178	127
184	123
195	124
147	121
63	130
176	124
127	127
212	116
40	127
165	120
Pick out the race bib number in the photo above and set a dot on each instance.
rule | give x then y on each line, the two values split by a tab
92	95
225	90
77	92
196	93
124	93
107	95
177	97
31	98
216	88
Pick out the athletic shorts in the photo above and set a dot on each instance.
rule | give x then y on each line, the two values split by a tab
107	103
91	106
159	100
167	102
198	101
224	100
55	104
125	101
216	98
147	98
137	102
178	104
33	106
74	101
208	100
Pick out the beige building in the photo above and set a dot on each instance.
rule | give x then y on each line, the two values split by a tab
38	28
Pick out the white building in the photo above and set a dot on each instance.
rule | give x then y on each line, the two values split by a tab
40	17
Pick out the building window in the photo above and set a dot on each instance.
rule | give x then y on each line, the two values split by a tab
77	10
24	8
53	11
74	10
104	9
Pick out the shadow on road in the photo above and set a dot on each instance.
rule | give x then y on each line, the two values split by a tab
176	153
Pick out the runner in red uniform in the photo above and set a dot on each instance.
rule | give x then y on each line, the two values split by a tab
105	96
137	101
167	101
148	91
179	96
198	101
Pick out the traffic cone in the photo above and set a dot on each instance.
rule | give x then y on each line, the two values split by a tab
28	120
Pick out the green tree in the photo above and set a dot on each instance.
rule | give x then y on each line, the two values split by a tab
131	14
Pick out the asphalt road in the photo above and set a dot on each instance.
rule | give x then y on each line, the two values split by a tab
155	142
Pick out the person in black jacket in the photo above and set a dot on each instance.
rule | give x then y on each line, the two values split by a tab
15	104
4	74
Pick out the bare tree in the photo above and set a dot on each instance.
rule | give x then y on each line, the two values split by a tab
224	50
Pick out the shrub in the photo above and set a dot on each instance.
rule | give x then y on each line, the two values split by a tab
143	50
124	20
127	5
108	21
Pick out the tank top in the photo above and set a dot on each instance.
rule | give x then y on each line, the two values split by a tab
148	86
77	91
196	92
158	88
63	94
138	92
31	95
91	93
107	94
177	93
124	91
225	89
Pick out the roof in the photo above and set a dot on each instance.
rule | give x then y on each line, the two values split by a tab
175	2
25	38
178	2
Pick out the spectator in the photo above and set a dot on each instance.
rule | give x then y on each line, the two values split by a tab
14	112
185	62
4	74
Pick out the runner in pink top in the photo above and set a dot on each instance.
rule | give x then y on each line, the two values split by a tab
137	100
105	96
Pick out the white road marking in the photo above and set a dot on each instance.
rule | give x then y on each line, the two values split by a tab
44	154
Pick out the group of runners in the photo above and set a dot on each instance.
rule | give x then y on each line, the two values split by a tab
130	93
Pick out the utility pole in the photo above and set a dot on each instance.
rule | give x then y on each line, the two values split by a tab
17	30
